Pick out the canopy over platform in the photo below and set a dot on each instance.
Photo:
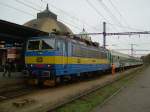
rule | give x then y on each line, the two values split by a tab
12	31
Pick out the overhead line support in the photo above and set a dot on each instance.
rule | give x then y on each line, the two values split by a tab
104	34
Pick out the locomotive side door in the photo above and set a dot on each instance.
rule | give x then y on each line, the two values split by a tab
65	54
61	47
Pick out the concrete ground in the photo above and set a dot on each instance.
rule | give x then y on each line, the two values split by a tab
16	78
14	75
135	97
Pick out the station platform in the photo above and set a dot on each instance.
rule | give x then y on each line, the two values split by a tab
16	78
133	98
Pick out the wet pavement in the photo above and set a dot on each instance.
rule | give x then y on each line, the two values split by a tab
135	97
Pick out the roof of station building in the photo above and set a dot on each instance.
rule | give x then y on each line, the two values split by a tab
47	21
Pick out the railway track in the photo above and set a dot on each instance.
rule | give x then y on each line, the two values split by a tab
16	93
52	109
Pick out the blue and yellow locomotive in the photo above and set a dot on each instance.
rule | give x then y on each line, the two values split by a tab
48	58
53	57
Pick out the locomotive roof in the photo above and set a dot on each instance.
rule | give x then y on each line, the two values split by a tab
71	38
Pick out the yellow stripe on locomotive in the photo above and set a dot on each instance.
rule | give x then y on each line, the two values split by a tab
63	60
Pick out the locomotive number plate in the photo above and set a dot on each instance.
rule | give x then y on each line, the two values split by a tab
39	59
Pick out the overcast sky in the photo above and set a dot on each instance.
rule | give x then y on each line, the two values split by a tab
120	16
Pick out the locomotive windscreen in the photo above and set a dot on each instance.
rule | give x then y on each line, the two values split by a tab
33	45
48	44
44	44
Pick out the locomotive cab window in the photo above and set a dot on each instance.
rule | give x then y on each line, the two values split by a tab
33	45
47	45
44	44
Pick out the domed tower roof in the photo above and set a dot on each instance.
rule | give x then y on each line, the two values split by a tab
47	21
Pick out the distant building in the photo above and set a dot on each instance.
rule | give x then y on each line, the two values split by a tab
84	35
47	21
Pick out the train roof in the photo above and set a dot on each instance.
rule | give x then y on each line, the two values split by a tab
119	54
123	55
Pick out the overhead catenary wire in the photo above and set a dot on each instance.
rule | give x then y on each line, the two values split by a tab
120	14
97	11
27	5
70	24
127	26
29	1
112	16
119	25
17	9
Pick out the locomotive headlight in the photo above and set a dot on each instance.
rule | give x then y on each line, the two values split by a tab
31	65
48	66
